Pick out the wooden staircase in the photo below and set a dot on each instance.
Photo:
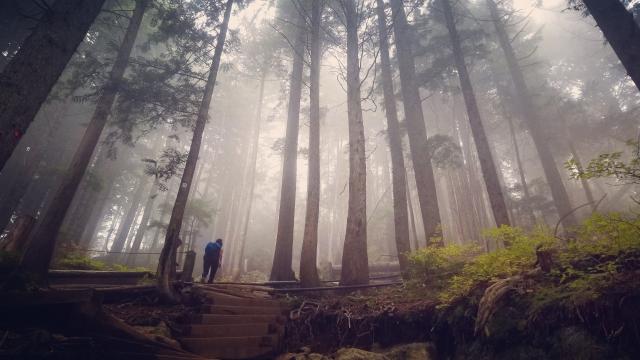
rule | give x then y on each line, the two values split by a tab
237	324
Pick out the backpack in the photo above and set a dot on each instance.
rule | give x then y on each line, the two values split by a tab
211	249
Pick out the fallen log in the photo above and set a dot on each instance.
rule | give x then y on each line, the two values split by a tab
44	297
95	277
386	277
266	283
226	292
333	288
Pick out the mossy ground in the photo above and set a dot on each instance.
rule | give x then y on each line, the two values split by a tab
583	307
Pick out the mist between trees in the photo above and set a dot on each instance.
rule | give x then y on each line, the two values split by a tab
315	137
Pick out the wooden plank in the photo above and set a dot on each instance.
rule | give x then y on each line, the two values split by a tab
96	274
333	288
93	277
46	297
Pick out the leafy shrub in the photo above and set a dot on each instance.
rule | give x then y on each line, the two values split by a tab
78	261
518	257
588	264
605	246
120	267
432	266
605	234
624	168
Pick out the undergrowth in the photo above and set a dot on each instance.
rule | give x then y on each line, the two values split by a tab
80	261
583	305
599	251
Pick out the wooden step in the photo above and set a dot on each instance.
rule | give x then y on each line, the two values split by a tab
245	347
152	356
222	319
242	310
225	299
232	330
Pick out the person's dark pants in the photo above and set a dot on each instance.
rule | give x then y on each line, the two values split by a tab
210	266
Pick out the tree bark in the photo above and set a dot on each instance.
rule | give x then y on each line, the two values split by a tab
621	31
309	256
112	228
398	171
17	234
28	78
416	129
15	192
38	255
487	164
584	182
523	97
144	222
355	263
252	177
97	213
166	263
125	226
412	216
523	180
282	258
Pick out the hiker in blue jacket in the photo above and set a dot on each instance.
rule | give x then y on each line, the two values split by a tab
212	260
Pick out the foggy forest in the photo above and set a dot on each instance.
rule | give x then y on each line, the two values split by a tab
319	179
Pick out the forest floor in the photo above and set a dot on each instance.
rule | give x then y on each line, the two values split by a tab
539	297
522	324
529	321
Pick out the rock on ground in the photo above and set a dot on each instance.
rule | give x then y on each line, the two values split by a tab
357	354
415	351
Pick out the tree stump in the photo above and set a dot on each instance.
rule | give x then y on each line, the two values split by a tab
18	234
189	264
545	259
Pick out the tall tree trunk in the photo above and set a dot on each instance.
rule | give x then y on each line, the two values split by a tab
416	128
129	217
22	179
334	203
112	228
584	182
167	261
552	174
254	164
282	258
144	222
32	72
91	198
398	171
309	256
77	215
236	218
37	257
489	172
154	246
355	263
621	31
97	213
412	216
523	180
